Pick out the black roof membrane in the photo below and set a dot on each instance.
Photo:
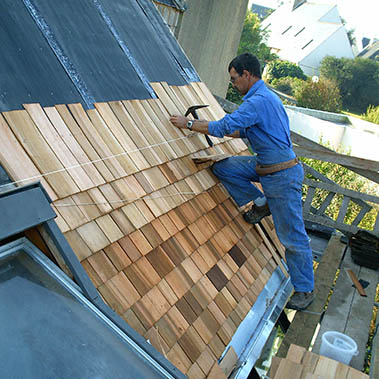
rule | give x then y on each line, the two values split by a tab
86	51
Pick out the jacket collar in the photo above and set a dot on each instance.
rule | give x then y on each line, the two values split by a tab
254	88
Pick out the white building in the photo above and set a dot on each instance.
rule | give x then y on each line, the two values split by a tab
304	33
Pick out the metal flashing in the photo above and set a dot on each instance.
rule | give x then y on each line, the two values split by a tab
23	208
250	337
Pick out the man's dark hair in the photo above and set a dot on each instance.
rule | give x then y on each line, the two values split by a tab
248	62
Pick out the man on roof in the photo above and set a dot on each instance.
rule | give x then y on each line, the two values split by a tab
262	119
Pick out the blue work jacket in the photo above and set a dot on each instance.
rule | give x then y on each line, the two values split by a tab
262	119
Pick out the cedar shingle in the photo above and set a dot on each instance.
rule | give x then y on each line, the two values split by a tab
217	277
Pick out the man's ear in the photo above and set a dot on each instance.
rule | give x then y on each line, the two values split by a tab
247	73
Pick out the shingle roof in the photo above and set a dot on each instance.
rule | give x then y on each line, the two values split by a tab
159	237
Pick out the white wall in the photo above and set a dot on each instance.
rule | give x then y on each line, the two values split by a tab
359	138
337	45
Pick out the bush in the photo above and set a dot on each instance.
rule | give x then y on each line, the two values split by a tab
280	69
357	80
287	85
323	95
233	95
372	114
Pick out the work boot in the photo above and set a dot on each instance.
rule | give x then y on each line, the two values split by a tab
300	300
255	214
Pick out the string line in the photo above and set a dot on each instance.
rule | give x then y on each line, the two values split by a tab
125	200
96	161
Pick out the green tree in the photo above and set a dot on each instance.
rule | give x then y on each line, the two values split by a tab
280	69
372	114
357	80
350	32
252	41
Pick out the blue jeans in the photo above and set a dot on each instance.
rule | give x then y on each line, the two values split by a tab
282	190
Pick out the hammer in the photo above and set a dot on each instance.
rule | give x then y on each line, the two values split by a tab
192	111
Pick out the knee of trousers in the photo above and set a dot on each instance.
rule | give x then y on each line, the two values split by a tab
217	169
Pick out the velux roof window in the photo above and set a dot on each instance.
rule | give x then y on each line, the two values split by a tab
50	330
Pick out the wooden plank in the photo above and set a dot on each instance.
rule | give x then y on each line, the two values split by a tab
308	199
16	162
360	215
70	212
356	283
216	372
347	309
53	139
306	142
102	266
109	228
134	132
80	248
202	90
330	222
172	109
84	143
97	142
288	369
93	236
64	132
174	134
326	367
121	135
128	165
295	353
356	374
40	152
343	209
86	205
325	203
303	326
179	358
342	159
275	361
309	361
150	130
164	127
316	175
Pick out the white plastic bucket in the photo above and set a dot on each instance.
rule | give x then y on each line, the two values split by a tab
338	346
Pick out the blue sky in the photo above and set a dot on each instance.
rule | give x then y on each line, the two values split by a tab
359	15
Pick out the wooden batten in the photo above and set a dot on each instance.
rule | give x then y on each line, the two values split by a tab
157	234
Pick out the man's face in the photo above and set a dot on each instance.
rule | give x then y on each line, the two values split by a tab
240	82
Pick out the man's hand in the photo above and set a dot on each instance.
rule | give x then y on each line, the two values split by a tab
179	121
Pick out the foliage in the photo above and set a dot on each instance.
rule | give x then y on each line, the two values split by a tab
322	94
357	80
253	39
233	95
372	114
279	69
350	32
347	179
287	85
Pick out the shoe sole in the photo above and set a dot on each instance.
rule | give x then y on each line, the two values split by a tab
295	308
255	222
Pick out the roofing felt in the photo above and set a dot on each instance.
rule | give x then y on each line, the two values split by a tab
69	51
159	236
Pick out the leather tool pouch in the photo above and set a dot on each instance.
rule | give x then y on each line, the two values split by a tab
270	169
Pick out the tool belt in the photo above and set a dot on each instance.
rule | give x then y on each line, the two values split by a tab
263	170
